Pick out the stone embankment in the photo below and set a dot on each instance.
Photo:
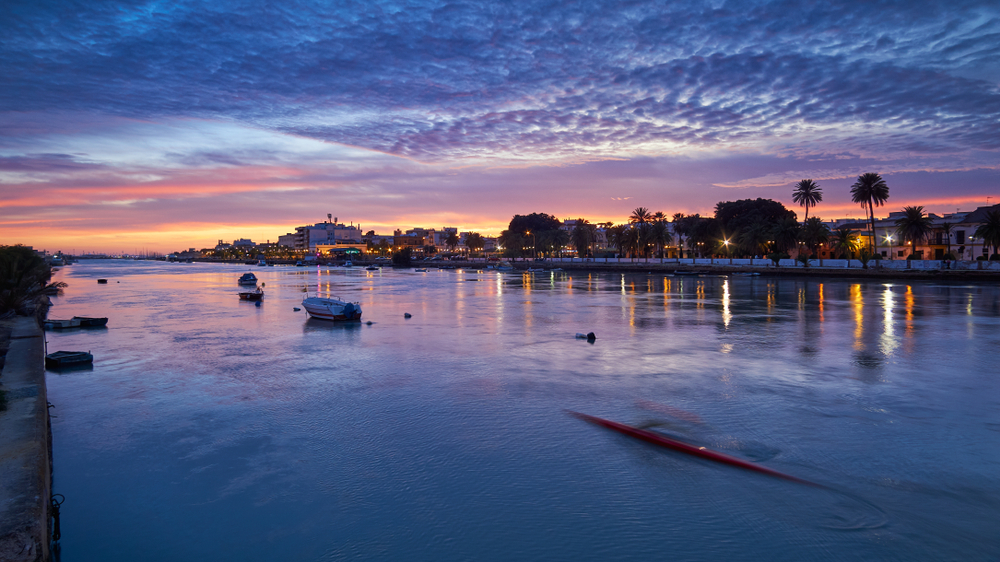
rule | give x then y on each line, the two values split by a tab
25	470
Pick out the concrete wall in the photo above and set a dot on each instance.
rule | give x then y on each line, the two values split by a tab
25	479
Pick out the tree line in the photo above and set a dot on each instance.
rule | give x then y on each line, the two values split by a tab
743	228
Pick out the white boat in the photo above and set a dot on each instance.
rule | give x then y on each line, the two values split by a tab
332	309
248	279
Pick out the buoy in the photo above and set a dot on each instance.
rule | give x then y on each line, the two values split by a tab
591	336
580	336
369	322
407	315
257	304
102	281
296	309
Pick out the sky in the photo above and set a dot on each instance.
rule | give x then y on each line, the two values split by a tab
162	125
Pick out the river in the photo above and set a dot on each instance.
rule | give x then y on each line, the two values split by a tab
213	429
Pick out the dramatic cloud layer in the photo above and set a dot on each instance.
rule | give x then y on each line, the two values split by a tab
215	116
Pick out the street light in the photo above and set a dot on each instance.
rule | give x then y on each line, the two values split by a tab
888	238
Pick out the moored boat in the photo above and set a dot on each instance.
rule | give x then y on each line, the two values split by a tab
88	322
54	324
332	309
255	295
60	359
248	279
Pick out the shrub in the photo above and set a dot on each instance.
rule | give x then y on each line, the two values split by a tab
402	257
778	256
995	257
949	257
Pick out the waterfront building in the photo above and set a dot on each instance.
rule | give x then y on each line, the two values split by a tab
327	233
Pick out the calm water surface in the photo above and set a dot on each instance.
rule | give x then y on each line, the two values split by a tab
211	429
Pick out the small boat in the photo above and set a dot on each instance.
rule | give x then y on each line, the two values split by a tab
687	448
420	270
248	279
88	322
68	359
255	295
102	281
534	269
371	268
261	263
57	261
299	264
332	309
348	264
62	324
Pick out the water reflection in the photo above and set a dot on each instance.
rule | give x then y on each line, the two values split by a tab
443	436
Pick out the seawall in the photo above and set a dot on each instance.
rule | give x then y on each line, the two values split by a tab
25	475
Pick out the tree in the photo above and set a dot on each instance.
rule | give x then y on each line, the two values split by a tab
451	241
552	241
913	226
512	243
24	277
680	229
403	257
583	235
870	191
617	237
946	229
660	234
807	193
989	231
475	242
814	233
845	241
755	239
640	215
785	234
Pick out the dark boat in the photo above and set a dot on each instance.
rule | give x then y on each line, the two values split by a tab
248	279
88	322
61	359
254	295
102	281
677	445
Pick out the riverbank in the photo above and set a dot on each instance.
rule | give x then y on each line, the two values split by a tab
25	470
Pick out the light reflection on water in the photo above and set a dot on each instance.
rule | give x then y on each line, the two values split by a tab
213	429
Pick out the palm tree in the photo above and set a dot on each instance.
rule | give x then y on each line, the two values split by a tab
807	193
640	215
870	191
814	233
681	230
913	226
451	241
617	238
989	231
946	229
785	234
583	236
845	241
474	241
755	239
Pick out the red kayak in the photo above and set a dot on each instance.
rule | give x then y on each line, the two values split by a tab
663	441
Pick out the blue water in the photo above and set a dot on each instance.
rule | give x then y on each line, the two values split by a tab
212	429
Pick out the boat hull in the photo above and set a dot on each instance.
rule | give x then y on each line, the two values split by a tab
61	359
87	322
334	310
